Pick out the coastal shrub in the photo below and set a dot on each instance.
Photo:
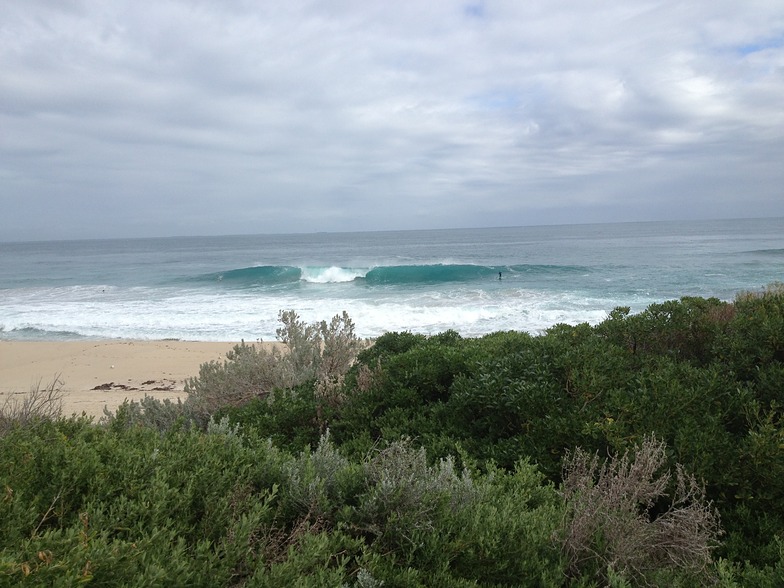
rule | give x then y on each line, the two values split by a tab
388	344
753	351
697	411
321	481
588	366
40	402
158	414
132	507
505	536
433	462
427	367
512	395
320	352
405	494
388	395
756	333
621	518
457	528
721	419
743	574
686	329
407	390
314	558
754	490
247	372
290	418
514	406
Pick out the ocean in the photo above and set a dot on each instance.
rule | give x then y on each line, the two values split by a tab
233	287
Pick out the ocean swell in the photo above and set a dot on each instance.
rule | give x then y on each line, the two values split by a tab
382	275
255	276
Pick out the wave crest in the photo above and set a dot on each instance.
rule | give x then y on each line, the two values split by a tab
382	275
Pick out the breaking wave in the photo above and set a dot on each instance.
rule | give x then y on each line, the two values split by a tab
268	275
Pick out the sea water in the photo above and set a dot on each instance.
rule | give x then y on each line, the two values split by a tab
474	281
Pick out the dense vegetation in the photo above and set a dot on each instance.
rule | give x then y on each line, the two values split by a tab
645	450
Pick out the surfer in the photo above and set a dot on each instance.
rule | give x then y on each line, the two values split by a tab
499	275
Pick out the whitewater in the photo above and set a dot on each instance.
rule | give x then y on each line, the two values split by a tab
474	281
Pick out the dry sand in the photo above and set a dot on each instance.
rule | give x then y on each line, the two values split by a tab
95	374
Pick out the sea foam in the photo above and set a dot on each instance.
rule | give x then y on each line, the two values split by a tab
232	288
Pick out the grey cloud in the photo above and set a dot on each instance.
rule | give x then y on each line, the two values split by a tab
137	118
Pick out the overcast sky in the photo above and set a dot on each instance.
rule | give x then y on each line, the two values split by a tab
222	117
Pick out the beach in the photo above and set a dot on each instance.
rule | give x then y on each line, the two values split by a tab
96	374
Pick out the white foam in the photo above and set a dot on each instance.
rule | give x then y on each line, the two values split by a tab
217	315
331	275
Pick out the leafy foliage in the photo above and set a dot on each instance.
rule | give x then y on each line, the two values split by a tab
584	456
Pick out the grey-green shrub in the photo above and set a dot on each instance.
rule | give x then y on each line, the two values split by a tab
314	479
158	414
612	525
320	351
40	402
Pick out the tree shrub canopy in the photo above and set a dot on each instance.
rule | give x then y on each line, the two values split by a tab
645	450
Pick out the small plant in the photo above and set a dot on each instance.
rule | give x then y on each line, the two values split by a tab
324	351
616	524
321	352
405	495
365	579
40	402
313	478
158	414
248	372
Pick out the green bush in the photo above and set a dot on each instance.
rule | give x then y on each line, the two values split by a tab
84	502
685	329
755	337
515	406
430	461
506	536
290	418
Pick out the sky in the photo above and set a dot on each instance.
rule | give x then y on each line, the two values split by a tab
173	117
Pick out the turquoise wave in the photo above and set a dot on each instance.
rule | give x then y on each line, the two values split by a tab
257	275
429	274
384	275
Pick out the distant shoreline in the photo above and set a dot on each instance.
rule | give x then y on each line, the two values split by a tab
104	373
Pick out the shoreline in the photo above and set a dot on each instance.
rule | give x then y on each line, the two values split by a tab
104	373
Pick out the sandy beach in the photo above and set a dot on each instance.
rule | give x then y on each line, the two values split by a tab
98	374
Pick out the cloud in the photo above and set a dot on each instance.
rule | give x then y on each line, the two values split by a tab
174	117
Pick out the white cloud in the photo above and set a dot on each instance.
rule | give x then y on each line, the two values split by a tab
221	117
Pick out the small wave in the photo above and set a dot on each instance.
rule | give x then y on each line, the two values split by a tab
36	334
773	252
545	269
